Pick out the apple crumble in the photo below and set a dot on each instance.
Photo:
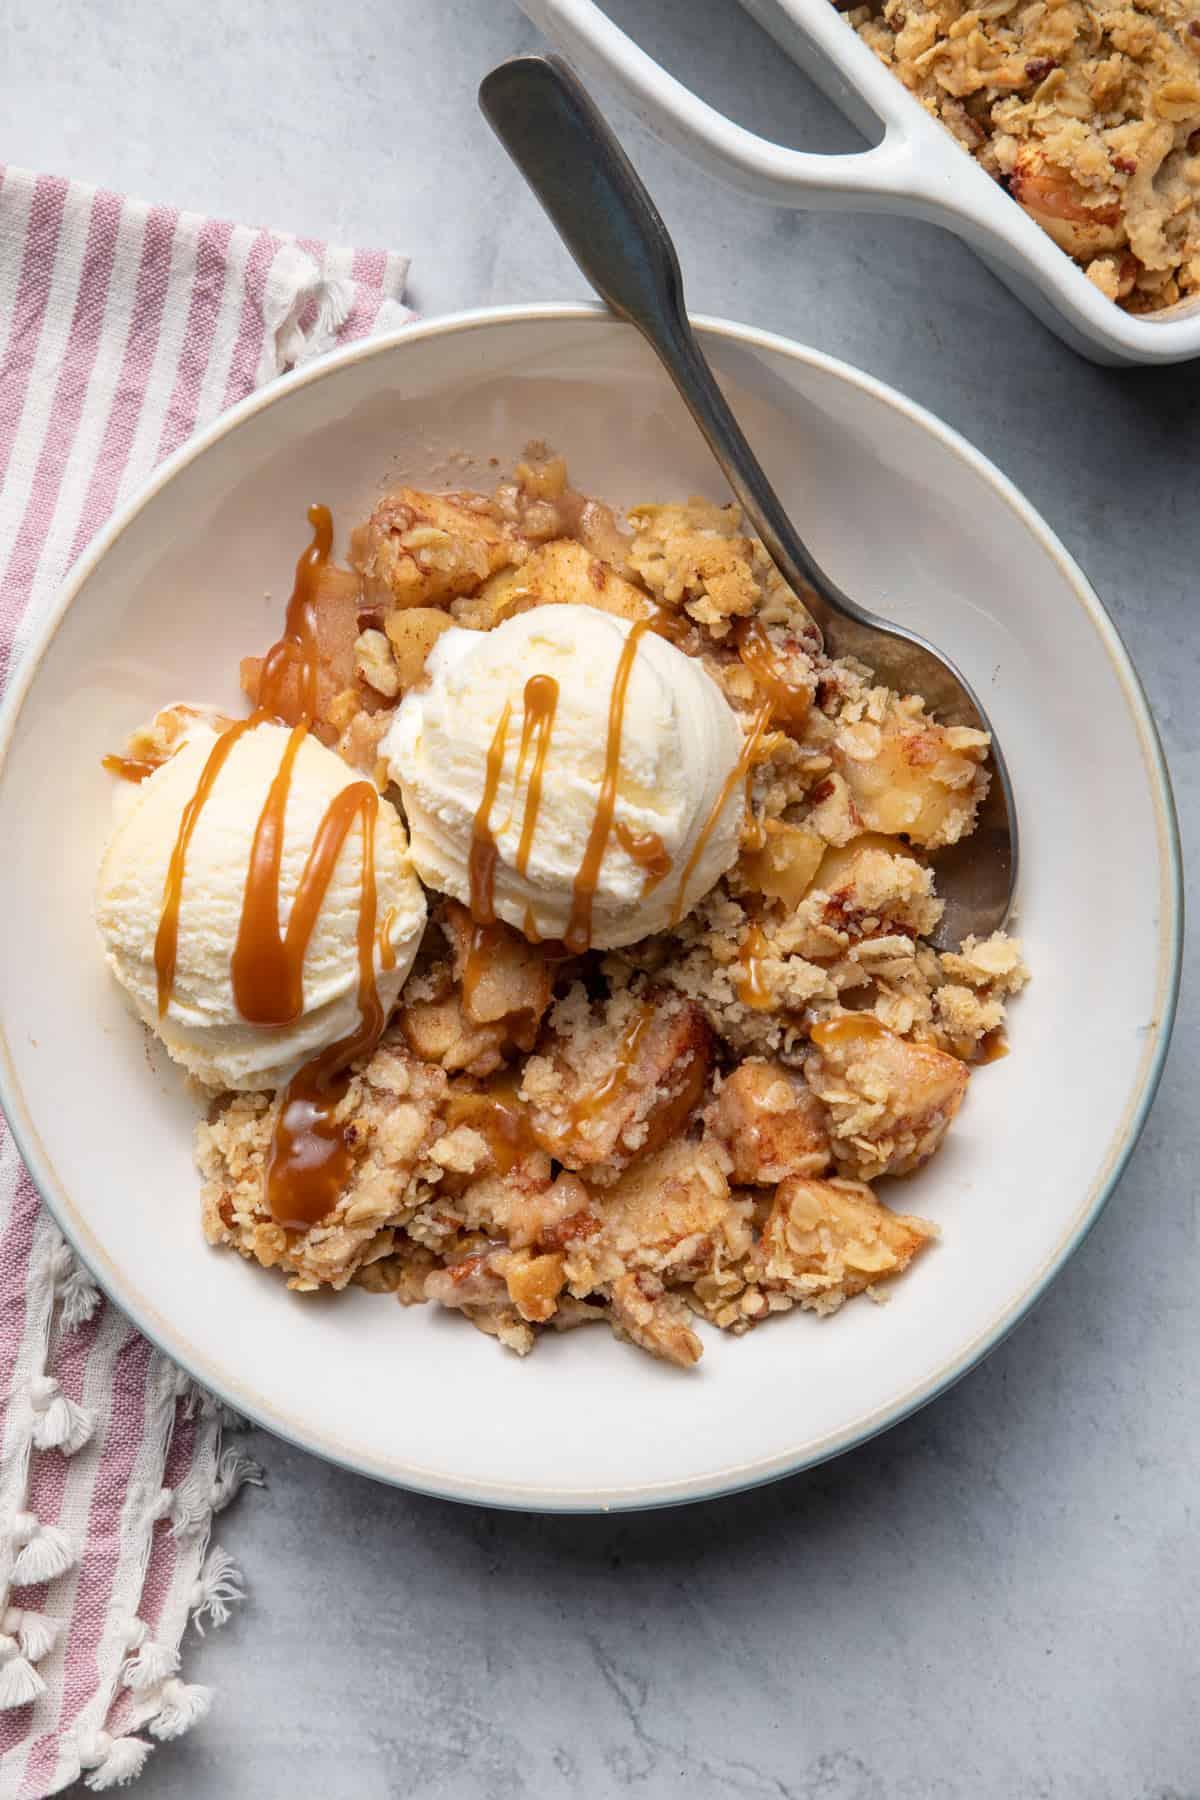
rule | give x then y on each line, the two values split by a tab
1086	111
685	1126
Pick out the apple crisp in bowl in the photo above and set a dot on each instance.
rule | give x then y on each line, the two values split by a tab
1086	111
565	1119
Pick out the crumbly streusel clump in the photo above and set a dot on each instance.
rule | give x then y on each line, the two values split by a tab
686	1128
1087	111
389	1115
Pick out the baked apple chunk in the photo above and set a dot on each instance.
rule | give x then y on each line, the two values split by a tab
908	776
769	1124
420	549
889	1101
616	1080
825	1241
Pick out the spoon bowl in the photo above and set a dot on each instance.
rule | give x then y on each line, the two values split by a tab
599	205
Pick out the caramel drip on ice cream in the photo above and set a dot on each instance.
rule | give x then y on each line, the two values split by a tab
268	965
541	700
387	950
578	935
166	940
481	863
741	771
268	978
648	851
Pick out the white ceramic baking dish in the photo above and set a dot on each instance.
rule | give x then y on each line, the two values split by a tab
914	168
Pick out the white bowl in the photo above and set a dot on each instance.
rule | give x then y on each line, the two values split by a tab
916	168
910	519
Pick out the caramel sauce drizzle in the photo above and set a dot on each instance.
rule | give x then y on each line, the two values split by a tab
268	969
553	949
540	705
166	940
309	1159
500	1118
742	770
850	1028
668	624
589	1105
268	976
754	832
992	1046
646	849
481	863
578	935
541	701
297	648
129	768
748	982
789	703
387	950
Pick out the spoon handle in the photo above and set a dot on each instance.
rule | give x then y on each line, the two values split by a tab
599	205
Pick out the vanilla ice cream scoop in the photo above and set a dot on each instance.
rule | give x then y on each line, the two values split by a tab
570	773
202	1026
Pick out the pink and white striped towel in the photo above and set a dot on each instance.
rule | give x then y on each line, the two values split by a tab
123	327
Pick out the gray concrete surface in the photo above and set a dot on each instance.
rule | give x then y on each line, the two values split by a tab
997	1599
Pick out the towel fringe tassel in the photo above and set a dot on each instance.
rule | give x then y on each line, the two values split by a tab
194	1399
43	1551
189	1509
217	1589
34	1632
59	1423
113	1762
19	1680
194	1501
235	1470
183	1705
149	1667
76	1292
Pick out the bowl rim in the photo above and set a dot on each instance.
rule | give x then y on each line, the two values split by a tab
120	1284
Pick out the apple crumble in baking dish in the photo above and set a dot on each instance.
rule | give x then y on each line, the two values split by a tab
552	940
1087	111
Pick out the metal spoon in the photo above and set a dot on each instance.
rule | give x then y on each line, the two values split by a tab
554	133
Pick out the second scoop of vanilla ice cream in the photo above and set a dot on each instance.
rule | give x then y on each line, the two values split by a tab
202	1027
680	743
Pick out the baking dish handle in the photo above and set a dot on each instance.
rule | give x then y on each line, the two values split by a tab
730	152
